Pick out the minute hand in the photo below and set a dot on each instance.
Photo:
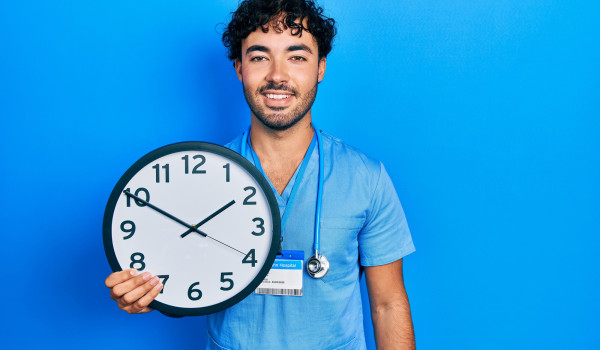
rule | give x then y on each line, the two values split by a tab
164	213
178	220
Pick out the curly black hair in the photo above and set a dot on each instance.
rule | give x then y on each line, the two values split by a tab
252	14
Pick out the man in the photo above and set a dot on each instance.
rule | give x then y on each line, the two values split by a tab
279	49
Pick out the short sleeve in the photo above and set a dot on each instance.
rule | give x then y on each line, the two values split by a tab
385	236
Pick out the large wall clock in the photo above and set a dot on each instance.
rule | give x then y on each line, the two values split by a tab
200	217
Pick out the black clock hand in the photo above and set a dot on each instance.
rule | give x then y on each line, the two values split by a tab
177	219
209	218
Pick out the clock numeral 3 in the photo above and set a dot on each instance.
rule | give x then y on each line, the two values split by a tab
164	279
249	258
195	170
130	230
137	258
194	293
260	225
227	280
157	167
253	192
137	193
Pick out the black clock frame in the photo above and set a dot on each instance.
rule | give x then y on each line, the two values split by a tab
203	147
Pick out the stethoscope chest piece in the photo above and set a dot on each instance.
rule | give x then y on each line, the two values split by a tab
317	266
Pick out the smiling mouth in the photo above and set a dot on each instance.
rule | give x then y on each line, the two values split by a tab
277	96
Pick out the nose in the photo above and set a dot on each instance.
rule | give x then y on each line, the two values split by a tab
277	72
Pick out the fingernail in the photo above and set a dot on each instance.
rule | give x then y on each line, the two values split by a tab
146	276
154	281
133	272
158	287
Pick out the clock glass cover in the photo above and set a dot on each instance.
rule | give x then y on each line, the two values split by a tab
200	217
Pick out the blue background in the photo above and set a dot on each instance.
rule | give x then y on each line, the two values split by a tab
485	113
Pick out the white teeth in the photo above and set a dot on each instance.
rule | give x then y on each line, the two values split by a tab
277	97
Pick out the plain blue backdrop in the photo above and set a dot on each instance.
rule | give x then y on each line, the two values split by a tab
485	113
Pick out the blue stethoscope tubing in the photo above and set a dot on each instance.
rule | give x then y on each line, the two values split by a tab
317	265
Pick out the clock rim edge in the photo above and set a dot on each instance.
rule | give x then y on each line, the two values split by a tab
195	146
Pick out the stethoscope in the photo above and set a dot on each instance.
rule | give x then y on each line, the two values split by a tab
318	265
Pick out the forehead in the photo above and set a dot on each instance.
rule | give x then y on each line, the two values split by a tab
278	40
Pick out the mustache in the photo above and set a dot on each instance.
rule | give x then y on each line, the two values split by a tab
273	86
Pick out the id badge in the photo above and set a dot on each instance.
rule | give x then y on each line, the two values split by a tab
285	276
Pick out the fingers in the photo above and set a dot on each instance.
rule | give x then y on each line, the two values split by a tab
143	302
137	300
119	277
132	292
129	285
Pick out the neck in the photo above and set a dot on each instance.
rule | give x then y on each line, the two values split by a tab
289	144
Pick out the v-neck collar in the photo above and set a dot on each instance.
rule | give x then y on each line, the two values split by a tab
284	197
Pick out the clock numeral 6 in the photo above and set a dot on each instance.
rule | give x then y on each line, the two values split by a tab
130	230
157	167
260	225
194	293
253	192
249	258
164	279
195	170
137	258
227	280
137	193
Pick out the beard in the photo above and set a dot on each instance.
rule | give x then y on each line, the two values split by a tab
277	118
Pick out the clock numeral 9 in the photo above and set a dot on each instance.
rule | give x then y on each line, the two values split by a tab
137	258
194	293
260	225
253	192
227	280
137	193
195	170
250	258
130	230
164	281
157	167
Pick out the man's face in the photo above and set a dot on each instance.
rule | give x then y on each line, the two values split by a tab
279	73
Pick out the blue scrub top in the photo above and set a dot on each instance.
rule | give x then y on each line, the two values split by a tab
362	223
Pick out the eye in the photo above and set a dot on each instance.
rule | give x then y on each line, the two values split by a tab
298	58
257	58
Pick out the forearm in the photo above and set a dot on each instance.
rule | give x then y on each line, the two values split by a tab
393	325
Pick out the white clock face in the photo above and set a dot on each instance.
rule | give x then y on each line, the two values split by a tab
195	184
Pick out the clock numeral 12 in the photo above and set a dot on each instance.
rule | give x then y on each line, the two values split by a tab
157	167
195	170
137	193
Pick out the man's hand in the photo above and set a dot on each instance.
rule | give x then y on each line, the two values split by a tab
390	310
133	292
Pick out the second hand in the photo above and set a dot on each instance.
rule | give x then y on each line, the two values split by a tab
191	227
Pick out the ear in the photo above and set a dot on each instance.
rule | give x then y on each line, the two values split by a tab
322	66
237	64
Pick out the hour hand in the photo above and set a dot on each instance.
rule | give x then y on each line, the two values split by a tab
150	205
219	211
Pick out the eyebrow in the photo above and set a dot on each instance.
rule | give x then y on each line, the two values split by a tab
261	48
301	47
